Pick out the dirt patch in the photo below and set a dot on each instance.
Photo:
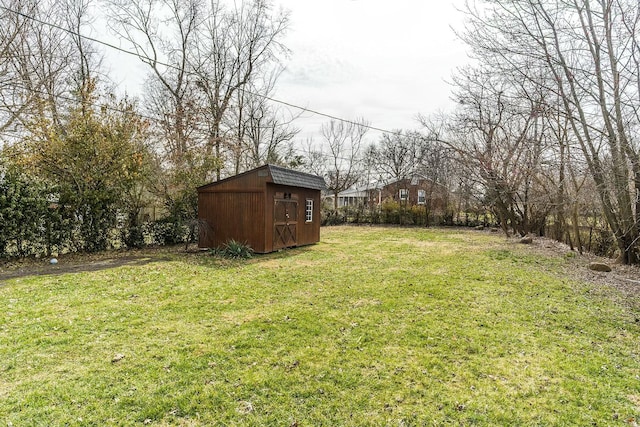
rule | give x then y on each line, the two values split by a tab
623	278
77	263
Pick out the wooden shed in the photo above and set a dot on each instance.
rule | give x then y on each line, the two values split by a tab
269	208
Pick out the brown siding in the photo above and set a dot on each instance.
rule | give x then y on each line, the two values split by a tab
251	181
235	216
268	217
309	231
242	208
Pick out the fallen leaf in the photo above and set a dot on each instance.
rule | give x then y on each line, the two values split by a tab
118	357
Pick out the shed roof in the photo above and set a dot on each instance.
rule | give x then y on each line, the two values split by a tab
279	175
294	178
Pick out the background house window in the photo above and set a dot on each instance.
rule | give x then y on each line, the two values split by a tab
308	210
422	197
404	194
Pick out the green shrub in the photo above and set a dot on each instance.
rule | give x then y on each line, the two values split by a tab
133	236
418	214
233	249
29	222
390	211
332	217
167	231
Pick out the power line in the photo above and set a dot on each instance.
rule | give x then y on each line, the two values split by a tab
70	99
155	119
46	96
141	57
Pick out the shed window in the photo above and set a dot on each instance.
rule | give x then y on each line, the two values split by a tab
404	194
422	197
308	210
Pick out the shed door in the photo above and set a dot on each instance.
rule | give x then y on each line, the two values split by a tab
285	223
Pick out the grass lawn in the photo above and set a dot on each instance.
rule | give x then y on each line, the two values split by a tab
372	326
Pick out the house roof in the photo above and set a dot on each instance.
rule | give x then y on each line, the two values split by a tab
352	192
295	178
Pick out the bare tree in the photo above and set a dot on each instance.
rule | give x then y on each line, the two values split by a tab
399	155
590	51
13	30
263	133
268	136
163	34
86	60
337	159
235	46
205	54
498	140
34	62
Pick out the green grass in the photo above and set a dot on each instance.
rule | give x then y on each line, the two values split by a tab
372	326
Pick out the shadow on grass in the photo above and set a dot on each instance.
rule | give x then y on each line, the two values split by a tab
205	259
82	264
79	267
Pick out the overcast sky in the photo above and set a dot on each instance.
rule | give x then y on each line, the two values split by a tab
384	61
381	60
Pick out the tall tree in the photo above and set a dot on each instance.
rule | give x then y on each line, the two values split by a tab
35	61
263	132
497	137
200	54
589	48
13	31
235	47
399	155
164	35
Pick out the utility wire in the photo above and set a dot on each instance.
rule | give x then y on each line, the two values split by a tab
141	57
70	99
46	96
155	119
